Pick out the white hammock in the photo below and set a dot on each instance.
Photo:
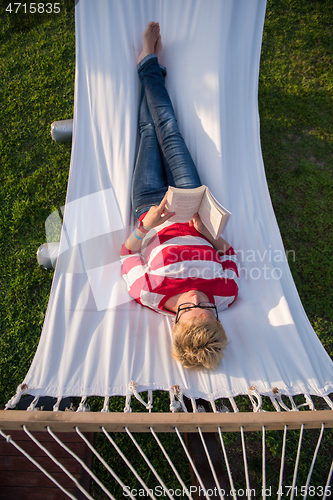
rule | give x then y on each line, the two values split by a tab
95	339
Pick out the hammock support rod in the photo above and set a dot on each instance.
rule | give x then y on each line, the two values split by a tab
163	422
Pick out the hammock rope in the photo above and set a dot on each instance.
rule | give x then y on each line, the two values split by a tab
297	463
12	442
255	399
171	464
292	492
133	389
152	468
101	459
247	478
85	467
282	460
129	465
191	461
59	464
83	406
263	462
313	461
32	406
176	399
233	491
328	482
57	404
211	464
21	389
105	408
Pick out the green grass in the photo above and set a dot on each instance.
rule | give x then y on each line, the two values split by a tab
37	58
296	106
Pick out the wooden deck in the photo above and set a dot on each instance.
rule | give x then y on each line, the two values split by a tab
21	480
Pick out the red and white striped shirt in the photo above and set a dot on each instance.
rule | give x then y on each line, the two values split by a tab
176	258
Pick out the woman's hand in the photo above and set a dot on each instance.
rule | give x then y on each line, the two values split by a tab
157	214
220	245
197	223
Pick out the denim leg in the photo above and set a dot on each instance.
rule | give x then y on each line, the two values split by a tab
149	184
177	159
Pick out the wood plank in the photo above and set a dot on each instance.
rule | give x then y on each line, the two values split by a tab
162	422
31	448
35	479
20	478
20	462
44	436
48	493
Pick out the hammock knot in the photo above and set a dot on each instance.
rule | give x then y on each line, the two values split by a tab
83	406
255	398
329	402
32	406
133	388
128	408
218	409
57	404
105	408
21	389
175	406
70	408
233	404
308	403
294	407
277	401
176	392
222	409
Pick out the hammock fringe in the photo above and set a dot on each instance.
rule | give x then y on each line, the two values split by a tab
177	401
21	389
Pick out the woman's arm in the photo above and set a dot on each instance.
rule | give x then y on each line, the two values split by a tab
220	245
155	216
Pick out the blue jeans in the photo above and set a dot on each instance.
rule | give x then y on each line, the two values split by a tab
163	158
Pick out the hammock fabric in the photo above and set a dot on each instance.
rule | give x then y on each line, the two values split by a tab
95	338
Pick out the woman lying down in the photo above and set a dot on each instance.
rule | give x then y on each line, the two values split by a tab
178	269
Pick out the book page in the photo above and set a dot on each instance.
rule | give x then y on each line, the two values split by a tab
184	202
213	214
210	216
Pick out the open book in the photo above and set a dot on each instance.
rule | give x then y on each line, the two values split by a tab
187	202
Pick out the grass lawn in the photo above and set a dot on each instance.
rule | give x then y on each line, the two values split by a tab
37	62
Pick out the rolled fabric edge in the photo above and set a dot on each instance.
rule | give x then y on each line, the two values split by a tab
47	255
62	131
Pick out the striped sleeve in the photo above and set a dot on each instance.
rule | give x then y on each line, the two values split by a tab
229	263
134	272
229	260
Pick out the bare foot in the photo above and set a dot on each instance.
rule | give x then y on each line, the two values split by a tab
149	36
158	46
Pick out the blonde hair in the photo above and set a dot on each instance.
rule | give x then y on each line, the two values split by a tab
199	343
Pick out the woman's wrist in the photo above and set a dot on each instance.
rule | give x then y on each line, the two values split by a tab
134	241
141	227
204	231
139	235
